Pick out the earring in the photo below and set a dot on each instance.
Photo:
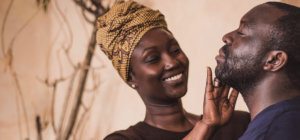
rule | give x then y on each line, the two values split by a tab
133	86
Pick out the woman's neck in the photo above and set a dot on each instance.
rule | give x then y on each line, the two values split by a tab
170	117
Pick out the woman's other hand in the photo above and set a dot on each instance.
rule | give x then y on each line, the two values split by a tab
217	107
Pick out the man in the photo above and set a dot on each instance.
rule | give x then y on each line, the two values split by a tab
261	59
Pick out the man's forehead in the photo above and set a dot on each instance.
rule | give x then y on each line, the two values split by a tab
263	13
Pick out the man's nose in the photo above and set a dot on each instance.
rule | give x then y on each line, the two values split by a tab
227	38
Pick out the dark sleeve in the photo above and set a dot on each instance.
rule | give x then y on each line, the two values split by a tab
128	134
115	136
234	128
285	127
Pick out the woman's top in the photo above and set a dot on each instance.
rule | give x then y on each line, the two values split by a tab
143	131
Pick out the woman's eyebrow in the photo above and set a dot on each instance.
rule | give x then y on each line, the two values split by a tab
148	49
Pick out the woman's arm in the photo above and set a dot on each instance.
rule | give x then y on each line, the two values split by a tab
217	108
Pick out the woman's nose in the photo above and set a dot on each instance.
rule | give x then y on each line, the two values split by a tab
170	62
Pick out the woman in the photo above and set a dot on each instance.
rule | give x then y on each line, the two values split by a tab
149	59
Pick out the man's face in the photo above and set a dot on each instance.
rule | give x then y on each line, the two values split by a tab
240	62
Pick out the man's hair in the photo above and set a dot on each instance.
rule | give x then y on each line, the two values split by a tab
286	37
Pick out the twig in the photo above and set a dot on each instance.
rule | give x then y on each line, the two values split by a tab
13	72
95	82
20	93
66	51
84	6
53	107
50	50
67	24
3	26
11	44
86	112
82	78
19	118
85	17
59	63
38	127
65	106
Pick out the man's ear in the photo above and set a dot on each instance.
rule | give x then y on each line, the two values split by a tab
275	60
131	80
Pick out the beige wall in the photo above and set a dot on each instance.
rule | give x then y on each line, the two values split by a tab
37	53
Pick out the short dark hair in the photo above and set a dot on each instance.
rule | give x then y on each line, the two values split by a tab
286	37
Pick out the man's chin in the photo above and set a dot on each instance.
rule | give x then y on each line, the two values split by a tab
218	73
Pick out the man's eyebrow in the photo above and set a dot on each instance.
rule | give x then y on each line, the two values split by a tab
246	24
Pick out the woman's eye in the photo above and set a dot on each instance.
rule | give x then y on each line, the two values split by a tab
152	59
175	51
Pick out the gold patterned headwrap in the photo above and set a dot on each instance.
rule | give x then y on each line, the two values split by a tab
121	28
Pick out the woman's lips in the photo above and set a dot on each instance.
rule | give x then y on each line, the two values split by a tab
175	77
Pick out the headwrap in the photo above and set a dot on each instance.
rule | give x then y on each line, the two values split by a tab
121	28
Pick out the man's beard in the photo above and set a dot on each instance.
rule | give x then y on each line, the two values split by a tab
242	73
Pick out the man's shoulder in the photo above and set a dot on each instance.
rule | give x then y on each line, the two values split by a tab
285	126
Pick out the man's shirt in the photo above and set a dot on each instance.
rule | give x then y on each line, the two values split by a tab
280	121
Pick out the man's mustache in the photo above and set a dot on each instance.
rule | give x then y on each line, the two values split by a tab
225	49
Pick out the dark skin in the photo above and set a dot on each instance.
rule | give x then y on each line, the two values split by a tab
250	39
159	71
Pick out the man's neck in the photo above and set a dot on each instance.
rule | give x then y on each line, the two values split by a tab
170	117
269	91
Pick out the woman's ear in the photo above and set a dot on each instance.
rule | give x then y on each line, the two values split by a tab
131	80
275	60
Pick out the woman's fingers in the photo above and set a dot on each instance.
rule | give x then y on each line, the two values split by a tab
209	85
233	97
225	91
218	88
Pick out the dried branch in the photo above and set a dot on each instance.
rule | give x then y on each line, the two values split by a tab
19	117
3	26
96	83
54	86
11	44
81	4
86	112
82	78
67	24
63	116
85	17
20	93
9	56
69	58
38	127
53	108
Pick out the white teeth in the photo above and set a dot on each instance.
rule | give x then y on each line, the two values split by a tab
174	77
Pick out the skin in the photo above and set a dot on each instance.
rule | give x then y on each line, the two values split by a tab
260	70
158	57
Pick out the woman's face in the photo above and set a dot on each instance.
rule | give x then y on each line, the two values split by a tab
159	68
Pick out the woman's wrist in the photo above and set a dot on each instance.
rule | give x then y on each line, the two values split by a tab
205	126
201	131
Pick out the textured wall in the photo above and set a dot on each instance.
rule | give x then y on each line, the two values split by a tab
33	44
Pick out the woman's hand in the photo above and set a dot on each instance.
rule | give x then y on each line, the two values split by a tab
217	107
